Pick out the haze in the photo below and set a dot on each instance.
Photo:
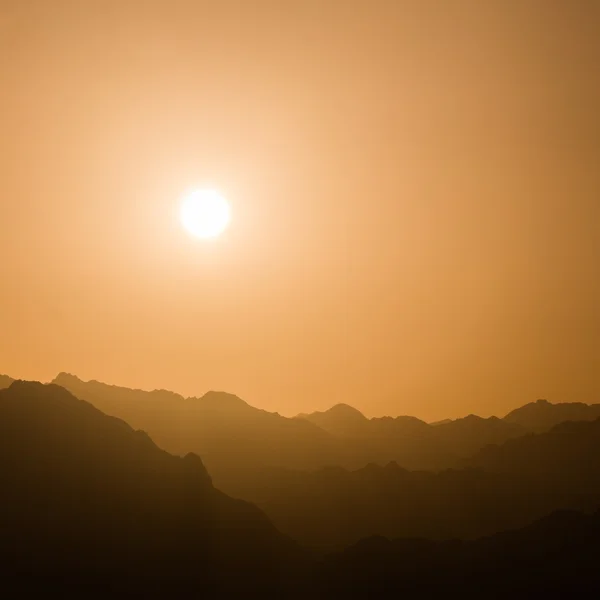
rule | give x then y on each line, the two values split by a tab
415	188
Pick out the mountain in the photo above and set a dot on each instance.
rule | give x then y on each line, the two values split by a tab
442	422
542	415
341	419
242	446
93	508
411	442
340	436
501	487
332	508
345	421
463	437
232	437
555	557
5	381
90	505
568	454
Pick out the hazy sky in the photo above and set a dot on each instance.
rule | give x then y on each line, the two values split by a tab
415	189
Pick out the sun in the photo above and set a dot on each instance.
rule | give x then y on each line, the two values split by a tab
205	213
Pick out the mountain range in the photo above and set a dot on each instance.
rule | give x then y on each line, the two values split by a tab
552	558
501	487
232	437
341	436
542	415
92	507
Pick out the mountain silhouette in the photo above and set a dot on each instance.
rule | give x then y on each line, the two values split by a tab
341	419
555	557
463	437
88	503
332	508
568	454
411	442
5	381
93	507
501	487
441	422
232	437
260	457
542	415
340	436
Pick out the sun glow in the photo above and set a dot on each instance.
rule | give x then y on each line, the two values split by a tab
205	213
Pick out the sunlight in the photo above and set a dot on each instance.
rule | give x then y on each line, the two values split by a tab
205	213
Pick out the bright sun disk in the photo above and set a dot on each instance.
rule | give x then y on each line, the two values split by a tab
205	213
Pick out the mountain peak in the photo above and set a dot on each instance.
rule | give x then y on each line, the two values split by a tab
340	419
222	400
345	410
5	381
471	418
543	415
64	377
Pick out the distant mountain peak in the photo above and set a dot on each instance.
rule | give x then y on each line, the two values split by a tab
64	377
346	410
472	418
79	387
5	381
340	419
543	415
216	399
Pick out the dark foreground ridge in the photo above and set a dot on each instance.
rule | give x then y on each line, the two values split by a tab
555	557
90	505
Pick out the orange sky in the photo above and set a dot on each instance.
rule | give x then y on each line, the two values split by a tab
414	184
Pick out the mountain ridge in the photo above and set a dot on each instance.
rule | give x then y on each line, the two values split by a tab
347	409
542	415
340	436
89	500
502	486
5	381
206	426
